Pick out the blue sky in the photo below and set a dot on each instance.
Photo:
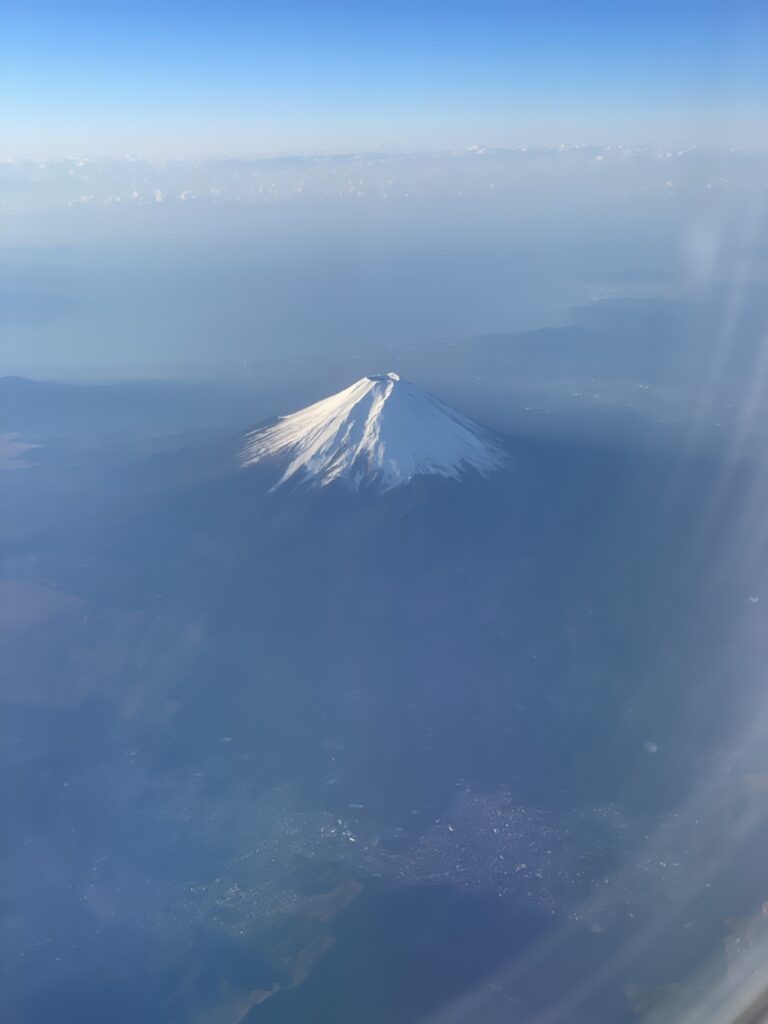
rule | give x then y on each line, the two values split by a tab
232	78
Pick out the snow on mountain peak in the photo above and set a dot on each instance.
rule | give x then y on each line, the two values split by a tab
382	430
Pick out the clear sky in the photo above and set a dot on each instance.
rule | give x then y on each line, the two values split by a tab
237	77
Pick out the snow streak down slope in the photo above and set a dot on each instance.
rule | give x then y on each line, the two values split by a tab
382	431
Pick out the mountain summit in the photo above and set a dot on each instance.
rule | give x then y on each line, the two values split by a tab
381	431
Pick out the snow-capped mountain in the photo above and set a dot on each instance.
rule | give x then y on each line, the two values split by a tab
381	431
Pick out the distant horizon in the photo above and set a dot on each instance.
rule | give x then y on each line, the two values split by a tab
375	150
193	78
186	181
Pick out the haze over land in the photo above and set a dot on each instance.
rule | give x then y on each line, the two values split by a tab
127	264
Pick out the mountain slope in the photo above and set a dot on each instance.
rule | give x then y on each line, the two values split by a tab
382	430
